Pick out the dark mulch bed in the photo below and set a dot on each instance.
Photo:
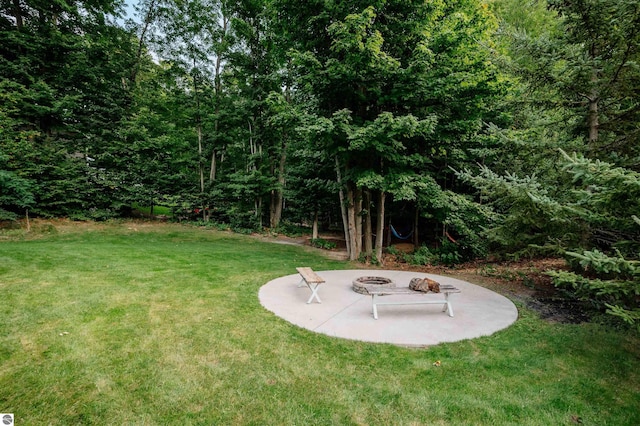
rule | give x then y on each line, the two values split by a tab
523	281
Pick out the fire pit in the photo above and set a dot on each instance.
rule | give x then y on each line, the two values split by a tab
363	284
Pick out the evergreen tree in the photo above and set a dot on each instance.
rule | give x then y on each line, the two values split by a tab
584	68
64	67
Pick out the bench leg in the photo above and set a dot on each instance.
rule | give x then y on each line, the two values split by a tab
447	308
314	293
374	306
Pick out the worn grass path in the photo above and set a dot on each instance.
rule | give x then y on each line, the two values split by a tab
129	323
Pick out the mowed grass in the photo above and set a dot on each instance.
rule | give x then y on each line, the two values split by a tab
134	324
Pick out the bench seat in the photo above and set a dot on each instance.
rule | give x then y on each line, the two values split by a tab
420	299
312	280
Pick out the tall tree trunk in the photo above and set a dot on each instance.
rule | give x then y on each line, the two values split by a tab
277	193
314	228
351	217
218	93
380	225
416	221
258	210
593	121
200	167
17	13
198	127
148	19
252	147
214	165
357	194
343	207
368	232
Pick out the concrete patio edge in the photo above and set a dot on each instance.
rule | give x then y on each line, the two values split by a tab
346	314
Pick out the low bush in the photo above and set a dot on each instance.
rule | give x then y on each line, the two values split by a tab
323	244
447	253
609	283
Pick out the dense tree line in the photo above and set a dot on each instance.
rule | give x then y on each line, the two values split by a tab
475	127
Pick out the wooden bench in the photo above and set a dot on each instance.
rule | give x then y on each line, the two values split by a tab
312	280
421	297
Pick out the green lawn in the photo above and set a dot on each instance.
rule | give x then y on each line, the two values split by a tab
129	323
157	210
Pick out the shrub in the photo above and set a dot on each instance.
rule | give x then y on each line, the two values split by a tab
447	254
393	250
291	229
421	256
323	244
608	283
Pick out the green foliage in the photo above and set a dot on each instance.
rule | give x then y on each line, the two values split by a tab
404	86
323	244
244	221
629	316
531	17
593	203
607	197
460	216
64	76
446	253
421	256
596	263
392	249
16	194
526	214
617	292
582	61
290	229
608	281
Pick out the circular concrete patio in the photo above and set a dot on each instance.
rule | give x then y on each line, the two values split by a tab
347	314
